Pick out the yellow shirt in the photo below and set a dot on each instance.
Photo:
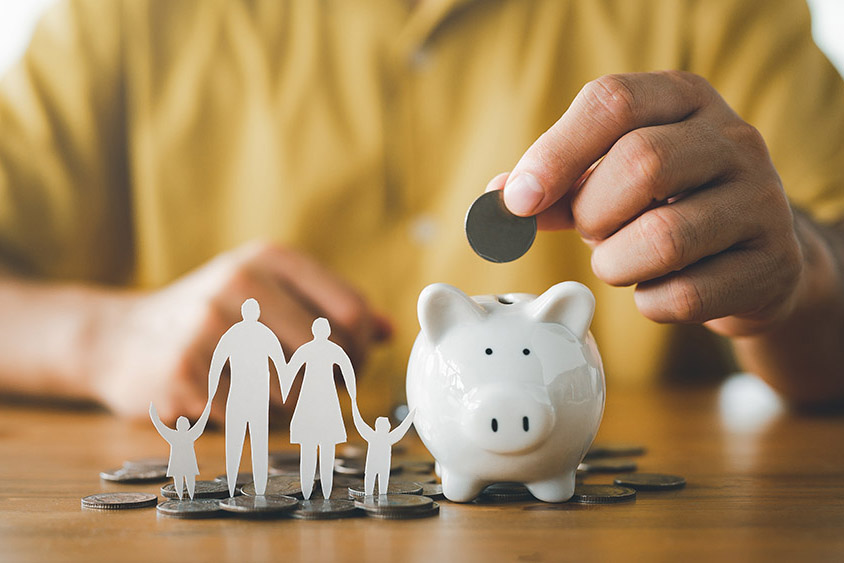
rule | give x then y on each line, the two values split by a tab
139	139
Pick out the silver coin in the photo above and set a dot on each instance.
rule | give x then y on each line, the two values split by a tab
259	506
650	481
614	450
505	492
135	474
601	494
284	461
353	450
240	480
324	509
198	508
346	481
433	491
494	233
393	503
356	466
146	462
420	478
204	489
607	465
277	485
349	466
394	488
119	501
432	510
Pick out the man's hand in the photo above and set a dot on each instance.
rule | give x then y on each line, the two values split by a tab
159	345
674	193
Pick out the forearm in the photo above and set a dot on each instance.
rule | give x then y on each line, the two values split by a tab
803	354
47	336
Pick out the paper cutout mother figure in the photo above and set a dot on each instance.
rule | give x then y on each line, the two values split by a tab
182	465
246	346
317	422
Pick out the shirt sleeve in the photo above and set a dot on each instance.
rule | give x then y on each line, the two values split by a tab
64	199
759	54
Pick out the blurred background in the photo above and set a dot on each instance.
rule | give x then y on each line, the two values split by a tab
18	17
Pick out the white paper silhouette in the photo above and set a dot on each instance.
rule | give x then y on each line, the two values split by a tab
182	465
380	449
317	421
246	346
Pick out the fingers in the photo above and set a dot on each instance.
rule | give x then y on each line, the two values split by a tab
497	183
740	282
647	167
671	237
327	295
605	110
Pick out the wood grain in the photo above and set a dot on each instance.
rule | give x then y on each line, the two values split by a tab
763	483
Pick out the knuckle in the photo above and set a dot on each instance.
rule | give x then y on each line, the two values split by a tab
686	300
260	249
665	238
612	97
235	283
644	153
352	313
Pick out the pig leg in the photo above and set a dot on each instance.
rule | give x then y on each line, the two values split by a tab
460	488
558	489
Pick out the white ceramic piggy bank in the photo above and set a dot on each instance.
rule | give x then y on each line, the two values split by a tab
506	388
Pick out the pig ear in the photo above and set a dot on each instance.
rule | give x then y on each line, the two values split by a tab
442	306
570	304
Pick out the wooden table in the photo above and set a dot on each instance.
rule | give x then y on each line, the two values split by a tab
763	484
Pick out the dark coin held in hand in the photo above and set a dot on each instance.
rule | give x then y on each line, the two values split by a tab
494	233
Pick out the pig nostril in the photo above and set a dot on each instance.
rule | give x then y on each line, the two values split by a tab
494	425
525	423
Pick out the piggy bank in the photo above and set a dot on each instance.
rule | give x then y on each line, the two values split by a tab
506	388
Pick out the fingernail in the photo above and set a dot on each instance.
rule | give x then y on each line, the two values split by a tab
522	194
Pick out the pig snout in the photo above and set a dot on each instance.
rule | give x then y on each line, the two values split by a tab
505	419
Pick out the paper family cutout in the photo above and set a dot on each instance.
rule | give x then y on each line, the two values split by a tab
182	465
317	423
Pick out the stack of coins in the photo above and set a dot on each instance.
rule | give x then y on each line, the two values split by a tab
394	488
324	509
398	507
119	501
199	508
259	507
203	489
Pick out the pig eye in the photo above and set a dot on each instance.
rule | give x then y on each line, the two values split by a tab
488	351
526	352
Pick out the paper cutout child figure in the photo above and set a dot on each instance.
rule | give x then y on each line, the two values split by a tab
246	346
380	448
182	465
317	422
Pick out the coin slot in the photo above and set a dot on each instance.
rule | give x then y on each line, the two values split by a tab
494	425
525	423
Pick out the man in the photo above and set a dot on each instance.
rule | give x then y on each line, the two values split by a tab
144	144
247	346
